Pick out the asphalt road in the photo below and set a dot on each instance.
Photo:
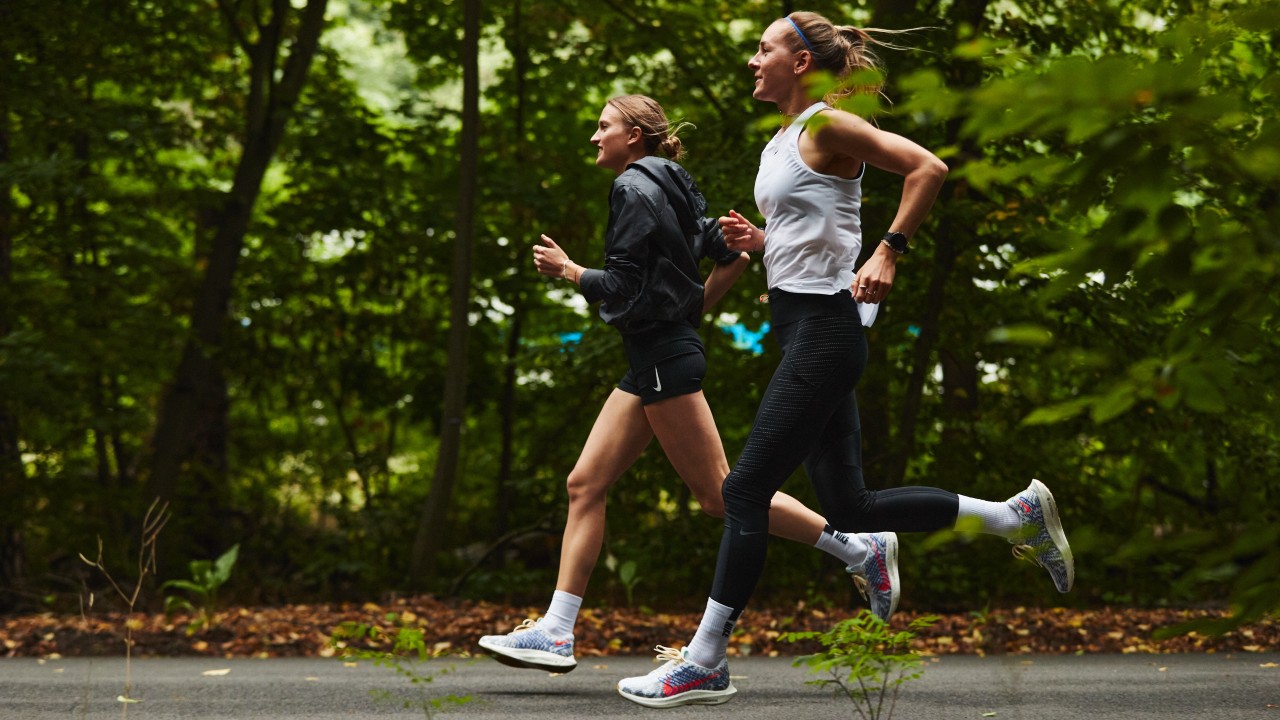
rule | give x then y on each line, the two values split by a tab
1090	687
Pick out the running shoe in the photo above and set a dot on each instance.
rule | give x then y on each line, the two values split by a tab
1041	539
528	646
877	579
679	682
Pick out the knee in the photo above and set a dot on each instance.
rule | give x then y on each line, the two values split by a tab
584	488
712	503
738	501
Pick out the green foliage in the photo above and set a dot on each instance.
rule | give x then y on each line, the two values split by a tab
206	577
358	641
1092	300
628	575
1144	183
867	661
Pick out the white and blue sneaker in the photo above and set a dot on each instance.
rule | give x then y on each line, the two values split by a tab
877	579
1041	539
679	682
529	646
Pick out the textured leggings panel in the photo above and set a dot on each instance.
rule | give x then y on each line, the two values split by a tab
809	416
823	357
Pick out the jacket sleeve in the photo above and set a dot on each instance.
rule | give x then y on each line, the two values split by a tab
632	223
713	242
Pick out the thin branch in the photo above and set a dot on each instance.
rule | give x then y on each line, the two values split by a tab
229	15
542	525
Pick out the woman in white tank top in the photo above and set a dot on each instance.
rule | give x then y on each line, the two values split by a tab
809	190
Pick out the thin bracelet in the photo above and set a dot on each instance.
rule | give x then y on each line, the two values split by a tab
564	270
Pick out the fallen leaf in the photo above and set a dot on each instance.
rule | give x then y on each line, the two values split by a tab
990	714
350	664
210	673
1163	669
1268	665
127	700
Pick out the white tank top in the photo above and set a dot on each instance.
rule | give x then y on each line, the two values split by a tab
813	231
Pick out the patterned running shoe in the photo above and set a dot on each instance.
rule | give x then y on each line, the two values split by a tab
877	579
1041	539
679	682
528	646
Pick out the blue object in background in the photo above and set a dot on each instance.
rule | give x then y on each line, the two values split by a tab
745	339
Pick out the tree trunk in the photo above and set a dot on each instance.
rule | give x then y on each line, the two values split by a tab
944	256
502	500
431	527
894	14
506	458
13	475
195	404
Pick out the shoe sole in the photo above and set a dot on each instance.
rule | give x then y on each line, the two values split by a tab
891	564
1053	524
530	659
691	697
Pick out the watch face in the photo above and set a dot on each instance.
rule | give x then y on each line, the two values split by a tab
897	241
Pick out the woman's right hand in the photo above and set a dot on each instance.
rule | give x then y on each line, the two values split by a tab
740	233
550	259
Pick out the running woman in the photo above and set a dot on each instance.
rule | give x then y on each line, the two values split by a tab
651	291
809	190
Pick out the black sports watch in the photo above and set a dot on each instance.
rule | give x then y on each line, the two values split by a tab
897	242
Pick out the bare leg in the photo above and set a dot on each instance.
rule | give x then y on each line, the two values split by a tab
687	431
617	439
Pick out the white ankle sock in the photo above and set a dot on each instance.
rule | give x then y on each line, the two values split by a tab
995	518
712	639
562	615
850	549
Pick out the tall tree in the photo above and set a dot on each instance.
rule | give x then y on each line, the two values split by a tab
432	530
13	479
192	419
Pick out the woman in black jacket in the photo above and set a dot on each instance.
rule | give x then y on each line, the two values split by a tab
651	291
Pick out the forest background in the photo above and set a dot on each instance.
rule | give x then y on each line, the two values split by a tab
269	260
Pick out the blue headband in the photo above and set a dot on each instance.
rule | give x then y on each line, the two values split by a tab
801	34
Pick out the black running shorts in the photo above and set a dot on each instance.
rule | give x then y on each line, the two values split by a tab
675	376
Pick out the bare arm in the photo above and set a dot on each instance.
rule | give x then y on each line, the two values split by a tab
923	173
551	260
722	277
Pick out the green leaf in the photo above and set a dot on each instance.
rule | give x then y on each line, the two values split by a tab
1021	334
627	572
1057	413
1114	403
1199	391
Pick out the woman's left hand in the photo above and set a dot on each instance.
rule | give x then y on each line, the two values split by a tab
550	259
874	280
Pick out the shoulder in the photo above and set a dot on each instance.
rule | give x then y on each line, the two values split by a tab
834	123
843	133
634	185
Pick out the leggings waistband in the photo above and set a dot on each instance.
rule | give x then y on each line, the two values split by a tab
788	307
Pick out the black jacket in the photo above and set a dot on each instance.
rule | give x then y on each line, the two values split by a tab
655	238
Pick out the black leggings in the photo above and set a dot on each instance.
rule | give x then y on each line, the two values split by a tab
809	415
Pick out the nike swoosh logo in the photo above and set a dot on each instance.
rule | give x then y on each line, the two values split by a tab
744	532
657	381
